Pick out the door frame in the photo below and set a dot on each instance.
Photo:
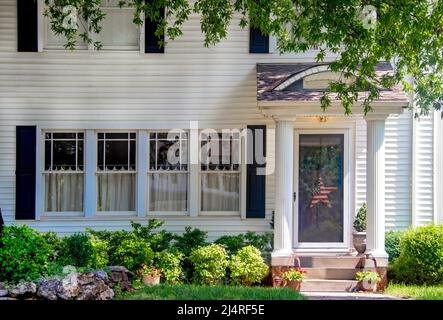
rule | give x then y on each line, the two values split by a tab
348	187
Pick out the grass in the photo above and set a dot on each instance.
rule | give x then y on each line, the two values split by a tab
416	292
193	292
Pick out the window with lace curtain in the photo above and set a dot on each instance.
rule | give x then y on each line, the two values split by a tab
64	171
168	171
116	171
220	171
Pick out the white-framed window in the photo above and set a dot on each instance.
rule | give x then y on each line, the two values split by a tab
63	171
220	174
116	171
168	172
118	30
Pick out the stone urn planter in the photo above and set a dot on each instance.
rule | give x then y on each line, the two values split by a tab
149	280
369	285
368	280
359	241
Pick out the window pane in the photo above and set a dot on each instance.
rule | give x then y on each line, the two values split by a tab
119	30
116	192
132	155
116	155
63	192
64	135
220	192
64	154
100	159
80	155
168	192
116	135
47	155
53	41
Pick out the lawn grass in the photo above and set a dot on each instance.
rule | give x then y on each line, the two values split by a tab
193	292
416	292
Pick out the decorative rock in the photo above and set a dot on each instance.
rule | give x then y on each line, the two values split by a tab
69	287
23	290
7	298
48	289
3	290
121	276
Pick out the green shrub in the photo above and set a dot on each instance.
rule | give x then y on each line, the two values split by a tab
158	241
421	256
55	244
169	262
360	219
392	244
247	267
100	255
132	253
76	250
209	264
190	240
24	254
262	242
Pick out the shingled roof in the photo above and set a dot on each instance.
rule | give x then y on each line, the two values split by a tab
270	75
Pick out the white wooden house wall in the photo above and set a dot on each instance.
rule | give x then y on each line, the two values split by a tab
216	86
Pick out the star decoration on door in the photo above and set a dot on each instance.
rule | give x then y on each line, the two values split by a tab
321	196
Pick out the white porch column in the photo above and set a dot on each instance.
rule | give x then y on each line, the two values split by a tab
284	167
375	187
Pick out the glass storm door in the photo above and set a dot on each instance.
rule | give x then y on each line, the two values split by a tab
319	209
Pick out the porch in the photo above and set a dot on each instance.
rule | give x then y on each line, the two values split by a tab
290	94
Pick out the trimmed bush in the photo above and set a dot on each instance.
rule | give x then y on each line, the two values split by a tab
76	250
169	262
233	244
392	244
191	239
247	267
132	253
209	264
24	254
100	256
421	256
360	219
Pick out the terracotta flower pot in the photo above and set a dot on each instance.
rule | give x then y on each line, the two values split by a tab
359	240
368	285
149	280
295	285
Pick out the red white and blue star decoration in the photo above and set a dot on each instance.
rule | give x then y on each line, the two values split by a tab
321	196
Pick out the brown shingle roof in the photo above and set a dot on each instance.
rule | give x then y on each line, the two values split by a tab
270	75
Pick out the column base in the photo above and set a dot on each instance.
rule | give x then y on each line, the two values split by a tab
282	257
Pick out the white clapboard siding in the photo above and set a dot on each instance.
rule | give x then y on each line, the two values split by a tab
423	187
216	86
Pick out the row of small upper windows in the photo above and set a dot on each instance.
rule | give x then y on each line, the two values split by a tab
120	33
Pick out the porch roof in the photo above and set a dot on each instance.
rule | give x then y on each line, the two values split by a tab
271	76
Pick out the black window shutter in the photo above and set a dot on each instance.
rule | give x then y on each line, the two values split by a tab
25	172
255	183
27	32
151	40
258	43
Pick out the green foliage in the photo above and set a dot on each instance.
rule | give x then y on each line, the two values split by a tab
247	267
262	242
24	254
192	238
76	250
54	242
421	256
360	219
293	274
209	264
132	253
409	32
169	262
100	255
158	241
367	275
392	244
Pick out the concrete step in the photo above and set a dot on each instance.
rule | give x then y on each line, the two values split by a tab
331	273
335	262
322	285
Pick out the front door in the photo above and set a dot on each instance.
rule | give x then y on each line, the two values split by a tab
320	189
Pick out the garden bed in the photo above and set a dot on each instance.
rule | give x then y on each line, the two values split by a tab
194	292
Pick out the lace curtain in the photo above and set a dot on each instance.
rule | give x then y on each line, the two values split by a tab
220	192
116	191
63	192
168	192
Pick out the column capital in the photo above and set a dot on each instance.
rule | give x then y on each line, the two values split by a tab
374	117
280	118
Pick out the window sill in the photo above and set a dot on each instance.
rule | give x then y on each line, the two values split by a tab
220	213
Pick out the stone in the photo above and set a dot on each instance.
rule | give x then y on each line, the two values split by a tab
3	290
121	276
7	298
48	289
23	290
69	287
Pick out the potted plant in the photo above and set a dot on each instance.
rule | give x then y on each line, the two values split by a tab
150	275
293	278
359	236
368	280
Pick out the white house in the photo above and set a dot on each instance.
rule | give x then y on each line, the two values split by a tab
83	136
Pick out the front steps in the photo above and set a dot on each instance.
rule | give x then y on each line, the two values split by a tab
332	273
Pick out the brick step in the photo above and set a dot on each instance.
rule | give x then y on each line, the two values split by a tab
331	273
335	262
322	285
